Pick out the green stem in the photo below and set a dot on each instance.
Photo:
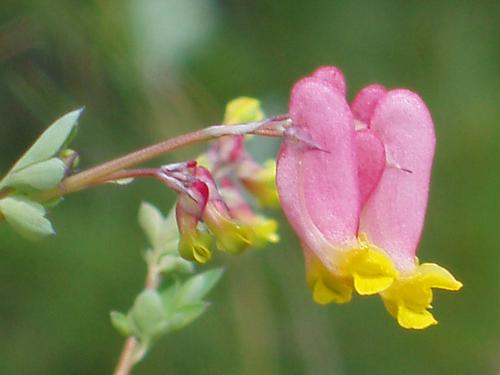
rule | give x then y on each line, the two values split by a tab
132	352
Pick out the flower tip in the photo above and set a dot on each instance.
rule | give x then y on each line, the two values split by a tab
323	295
196	247
369	285
333	76
243	109
410	319
234	238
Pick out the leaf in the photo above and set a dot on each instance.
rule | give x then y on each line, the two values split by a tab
169	298
39	176
161	231
196	287
186	315
51	141
26	217
174	264
148	315
121	323
151	222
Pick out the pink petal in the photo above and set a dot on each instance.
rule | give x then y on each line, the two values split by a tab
319	188
394	214
333	76
371	162
365	102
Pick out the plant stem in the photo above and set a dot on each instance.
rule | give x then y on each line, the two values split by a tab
89	177
130	354
126	361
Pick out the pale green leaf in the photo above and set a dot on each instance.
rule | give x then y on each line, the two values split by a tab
121	323
186	315
39	176
174	264
26	217
151	222
51	141
148	315
196	287
161	231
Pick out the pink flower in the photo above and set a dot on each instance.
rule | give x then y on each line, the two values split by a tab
356	193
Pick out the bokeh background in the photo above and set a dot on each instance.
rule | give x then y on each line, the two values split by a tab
148	69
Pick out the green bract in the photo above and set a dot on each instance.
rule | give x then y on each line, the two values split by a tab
158	312
26	217
39	168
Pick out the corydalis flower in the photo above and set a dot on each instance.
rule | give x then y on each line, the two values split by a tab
356	193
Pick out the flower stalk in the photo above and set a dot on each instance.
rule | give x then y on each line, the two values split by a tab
113	169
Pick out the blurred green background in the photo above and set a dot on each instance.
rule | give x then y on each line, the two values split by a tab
148	69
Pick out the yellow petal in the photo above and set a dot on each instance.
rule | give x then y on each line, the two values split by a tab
410	296
265	231
324	294
370	267
325	286
436	276
410	319
366	285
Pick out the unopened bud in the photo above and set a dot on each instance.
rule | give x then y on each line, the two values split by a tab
260	181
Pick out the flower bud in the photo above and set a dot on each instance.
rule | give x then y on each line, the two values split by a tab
265	229
259	180
232	236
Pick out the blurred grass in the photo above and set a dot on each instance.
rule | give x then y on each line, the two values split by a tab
149	69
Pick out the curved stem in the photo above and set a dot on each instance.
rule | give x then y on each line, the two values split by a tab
87	178
126	361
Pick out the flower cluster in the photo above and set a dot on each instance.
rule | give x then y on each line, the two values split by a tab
356	193
211	204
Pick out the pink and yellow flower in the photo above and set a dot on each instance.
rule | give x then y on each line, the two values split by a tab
356	193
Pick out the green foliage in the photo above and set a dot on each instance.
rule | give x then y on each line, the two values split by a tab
176	302
38	176
26	217
39	169
161	232
155	313
36	162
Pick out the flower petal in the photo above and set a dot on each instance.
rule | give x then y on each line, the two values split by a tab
333	76
394	214
365	102
318	188
371	162
325	286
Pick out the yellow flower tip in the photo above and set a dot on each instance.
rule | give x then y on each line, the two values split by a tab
370	267
436	276
409	298
196	247
243	109
326	287
263	185
324	294
366	285
234	238
265	231
201	254
410	319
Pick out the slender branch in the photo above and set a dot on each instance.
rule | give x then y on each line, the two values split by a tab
131	354
87	178
126	361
